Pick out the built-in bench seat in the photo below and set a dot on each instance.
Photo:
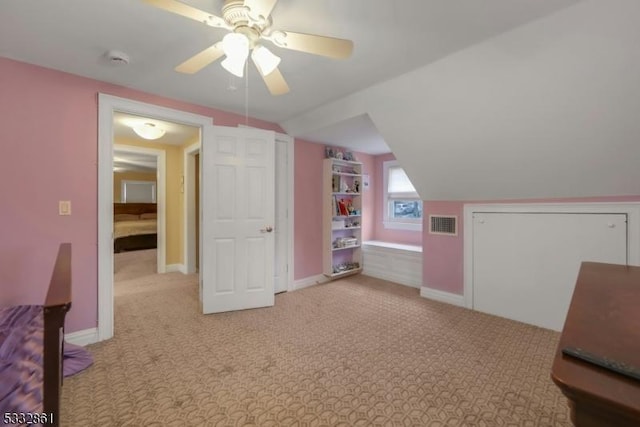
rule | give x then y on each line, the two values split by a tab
395	262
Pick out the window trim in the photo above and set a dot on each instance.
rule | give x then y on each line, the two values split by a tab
397	223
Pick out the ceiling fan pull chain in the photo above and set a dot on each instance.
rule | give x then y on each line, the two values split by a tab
232	83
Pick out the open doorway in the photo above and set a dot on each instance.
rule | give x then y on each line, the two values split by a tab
111	108
139	180
108	107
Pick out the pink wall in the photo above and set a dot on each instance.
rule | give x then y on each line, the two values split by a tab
49	123
368	198
443	263
307	227
407	237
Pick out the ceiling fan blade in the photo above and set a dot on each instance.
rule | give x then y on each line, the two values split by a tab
257	8
310	43
276	83
201	60
176	7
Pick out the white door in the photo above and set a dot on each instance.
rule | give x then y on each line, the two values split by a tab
281	221
525	265
237	199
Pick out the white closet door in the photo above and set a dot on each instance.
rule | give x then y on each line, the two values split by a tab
525	264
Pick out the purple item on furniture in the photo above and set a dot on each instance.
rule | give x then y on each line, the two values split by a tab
21	350
75	359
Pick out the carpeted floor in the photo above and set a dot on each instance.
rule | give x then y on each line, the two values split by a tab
354	352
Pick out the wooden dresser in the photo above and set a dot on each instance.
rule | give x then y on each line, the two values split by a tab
603	318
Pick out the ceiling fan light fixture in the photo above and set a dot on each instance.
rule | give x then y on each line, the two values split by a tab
235	45
265	60
148	131
234	65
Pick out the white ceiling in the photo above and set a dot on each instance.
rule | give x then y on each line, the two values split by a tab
127	161
390	38
357	133
175	133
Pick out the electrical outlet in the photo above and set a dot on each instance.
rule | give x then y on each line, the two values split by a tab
64	207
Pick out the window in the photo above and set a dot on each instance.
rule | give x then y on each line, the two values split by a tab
403	206
138	191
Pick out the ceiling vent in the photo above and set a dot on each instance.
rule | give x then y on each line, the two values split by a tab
443	224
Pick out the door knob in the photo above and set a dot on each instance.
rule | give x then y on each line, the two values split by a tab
269	229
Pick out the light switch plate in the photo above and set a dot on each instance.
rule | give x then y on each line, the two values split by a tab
64	207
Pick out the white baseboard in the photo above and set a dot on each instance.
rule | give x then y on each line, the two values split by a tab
309	281
401	279
442	296
179	268
82	338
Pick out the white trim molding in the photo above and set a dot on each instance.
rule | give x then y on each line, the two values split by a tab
290	141
176	268
631	209
309	281
82	338
442	296
190	216
107	105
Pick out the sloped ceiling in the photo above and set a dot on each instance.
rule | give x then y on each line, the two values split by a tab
391	37
549	109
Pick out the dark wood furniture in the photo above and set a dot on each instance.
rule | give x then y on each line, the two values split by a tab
57	304
603	318
135	243
32	339
134	208
140	241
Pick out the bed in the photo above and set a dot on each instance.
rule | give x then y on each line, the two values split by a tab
31	349
134	226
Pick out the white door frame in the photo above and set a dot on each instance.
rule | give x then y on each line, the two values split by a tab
190	217
161	177
631	209
289	140
107	105
189	213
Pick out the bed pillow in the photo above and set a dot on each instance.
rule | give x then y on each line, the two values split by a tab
125	217
149	215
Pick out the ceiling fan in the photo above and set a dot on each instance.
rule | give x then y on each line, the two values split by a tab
249	22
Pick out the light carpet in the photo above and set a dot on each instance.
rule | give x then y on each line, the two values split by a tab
354	352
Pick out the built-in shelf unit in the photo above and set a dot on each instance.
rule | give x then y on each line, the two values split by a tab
342	218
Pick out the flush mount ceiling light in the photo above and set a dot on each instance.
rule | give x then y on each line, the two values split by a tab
251	19
148	131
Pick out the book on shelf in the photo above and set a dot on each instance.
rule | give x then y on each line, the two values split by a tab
346	206
335	183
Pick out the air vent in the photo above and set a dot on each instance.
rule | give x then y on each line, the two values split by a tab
442	224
